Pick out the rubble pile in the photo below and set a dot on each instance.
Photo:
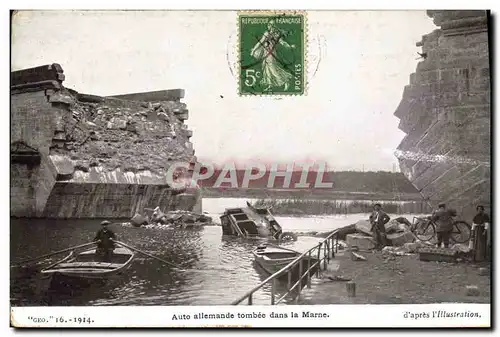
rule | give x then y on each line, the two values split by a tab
134	136
173	219
360	234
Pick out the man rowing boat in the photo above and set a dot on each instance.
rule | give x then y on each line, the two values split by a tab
105	244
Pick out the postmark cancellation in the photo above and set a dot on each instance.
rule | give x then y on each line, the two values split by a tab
272	53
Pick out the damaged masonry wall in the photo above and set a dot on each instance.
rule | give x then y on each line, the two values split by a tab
76	156
445	113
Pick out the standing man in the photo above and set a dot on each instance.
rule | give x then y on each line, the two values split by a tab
378	219
480	240
105	245
444	225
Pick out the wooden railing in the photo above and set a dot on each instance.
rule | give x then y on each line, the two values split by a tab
322	253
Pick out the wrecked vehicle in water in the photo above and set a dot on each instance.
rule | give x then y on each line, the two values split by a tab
252	222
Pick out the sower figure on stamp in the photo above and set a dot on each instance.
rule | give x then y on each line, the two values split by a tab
480	239
378	219
265	50
444	225
105	245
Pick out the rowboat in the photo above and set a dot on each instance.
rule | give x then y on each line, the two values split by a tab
87	266
273	258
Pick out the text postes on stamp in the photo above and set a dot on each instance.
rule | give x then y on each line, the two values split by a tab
272	53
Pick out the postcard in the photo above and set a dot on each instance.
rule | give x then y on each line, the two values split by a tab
250	168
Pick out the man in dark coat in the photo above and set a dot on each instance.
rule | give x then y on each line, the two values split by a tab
105	245
378	219
444	225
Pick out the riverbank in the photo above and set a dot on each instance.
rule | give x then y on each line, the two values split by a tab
317	194
390	279
299	207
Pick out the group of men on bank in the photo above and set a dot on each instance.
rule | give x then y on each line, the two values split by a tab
480	242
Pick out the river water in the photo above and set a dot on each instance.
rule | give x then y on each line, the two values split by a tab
224	266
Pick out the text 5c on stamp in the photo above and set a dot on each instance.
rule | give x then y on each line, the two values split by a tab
272	53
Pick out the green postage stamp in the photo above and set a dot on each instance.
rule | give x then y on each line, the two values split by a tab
272	53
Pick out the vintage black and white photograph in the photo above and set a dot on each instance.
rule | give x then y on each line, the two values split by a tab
264	158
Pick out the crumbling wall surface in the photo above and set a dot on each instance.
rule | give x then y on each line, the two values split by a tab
79	155
445	113
126	135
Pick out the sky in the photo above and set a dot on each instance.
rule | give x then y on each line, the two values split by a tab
358	65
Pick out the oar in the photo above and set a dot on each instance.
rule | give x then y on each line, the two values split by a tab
166	262
152	256
51	254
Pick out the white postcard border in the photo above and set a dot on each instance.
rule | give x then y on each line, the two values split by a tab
460	315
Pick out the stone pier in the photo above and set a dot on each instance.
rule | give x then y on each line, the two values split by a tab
446	115
76	155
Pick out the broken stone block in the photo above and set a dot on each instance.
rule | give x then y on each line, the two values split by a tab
364	226
360	241
61	98
121	124
139	220
392	226
64	167
82	165
472	291
402	227
399	239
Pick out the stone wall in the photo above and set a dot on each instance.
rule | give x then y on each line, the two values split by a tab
75	155
445	113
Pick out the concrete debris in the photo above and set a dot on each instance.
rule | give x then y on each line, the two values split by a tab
400	251
399	239
361	241
393	226
363	226
357	257
176	219
139	220
135	128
